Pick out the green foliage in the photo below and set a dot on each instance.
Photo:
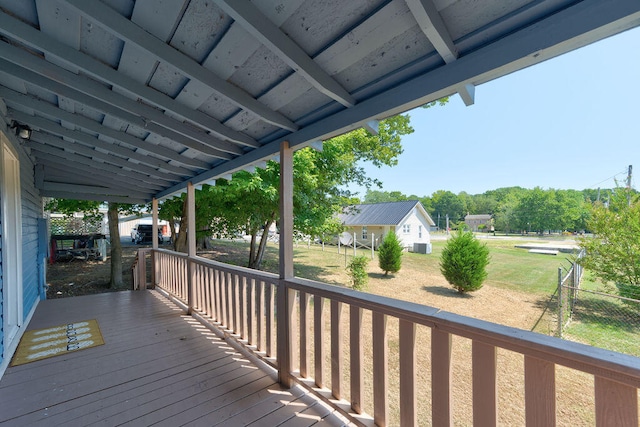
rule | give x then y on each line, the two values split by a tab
464	262
248	203
357	269
613	253
390	254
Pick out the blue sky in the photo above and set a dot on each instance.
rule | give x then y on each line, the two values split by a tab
572	122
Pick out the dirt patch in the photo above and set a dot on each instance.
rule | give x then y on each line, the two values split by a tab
78	277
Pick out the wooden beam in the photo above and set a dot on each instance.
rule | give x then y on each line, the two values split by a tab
432	25
286	211
91	189
250	17
467	93
50	140
37	40
191	246
84	90
122	27
45	108
154	223
100	198
69	159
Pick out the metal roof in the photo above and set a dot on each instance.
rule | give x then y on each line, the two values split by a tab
131	100
387	213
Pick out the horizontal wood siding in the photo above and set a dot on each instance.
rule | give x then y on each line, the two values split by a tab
31	212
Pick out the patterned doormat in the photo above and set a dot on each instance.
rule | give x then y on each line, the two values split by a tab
40	344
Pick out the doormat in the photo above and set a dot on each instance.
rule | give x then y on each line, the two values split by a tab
40	344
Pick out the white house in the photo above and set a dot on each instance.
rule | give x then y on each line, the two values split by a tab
408	219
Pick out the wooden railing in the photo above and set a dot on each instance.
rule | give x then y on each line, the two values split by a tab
249	304
139	270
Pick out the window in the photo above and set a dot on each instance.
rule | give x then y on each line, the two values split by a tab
419	232
406	228
364	232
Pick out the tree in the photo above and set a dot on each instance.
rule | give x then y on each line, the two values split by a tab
91	209
613	253
464	261
249	202
446	203
390	253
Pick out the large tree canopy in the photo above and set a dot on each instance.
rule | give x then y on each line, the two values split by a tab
613	253
249	202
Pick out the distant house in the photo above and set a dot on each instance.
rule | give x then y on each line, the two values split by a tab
408	219
483	222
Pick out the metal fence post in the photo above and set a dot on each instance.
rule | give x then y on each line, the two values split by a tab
560	302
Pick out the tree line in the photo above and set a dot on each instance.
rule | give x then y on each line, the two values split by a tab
514	209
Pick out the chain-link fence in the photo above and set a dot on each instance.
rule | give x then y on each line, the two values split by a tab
603	319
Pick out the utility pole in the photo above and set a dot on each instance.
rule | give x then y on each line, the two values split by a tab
629	185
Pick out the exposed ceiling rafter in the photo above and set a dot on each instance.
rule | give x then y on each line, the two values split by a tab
122	27
33	38
112	159
52	127
432	25
267	33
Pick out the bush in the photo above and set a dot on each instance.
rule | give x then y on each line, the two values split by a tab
357	269
464	261
390	254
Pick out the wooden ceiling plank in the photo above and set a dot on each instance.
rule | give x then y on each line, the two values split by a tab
60	166
106	157
117	24
43	107
33	38
86	91
250	17
80	163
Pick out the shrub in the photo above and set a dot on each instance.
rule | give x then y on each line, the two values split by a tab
464	261
390	254
357	269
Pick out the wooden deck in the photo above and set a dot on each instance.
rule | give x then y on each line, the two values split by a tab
158	367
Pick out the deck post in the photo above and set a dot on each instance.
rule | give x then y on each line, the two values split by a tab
154	242
286	296
191	243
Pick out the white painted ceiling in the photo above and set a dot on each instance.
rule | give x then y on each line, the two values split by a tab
130	100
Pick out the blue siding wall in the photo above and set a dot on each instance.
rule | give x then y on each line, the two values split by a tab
31	212
32	274
1	294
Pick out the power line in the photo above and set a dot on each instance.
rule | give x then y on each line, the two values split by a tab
623	172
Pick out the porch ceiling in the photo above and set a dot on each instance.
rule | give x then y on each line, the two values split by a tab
130	100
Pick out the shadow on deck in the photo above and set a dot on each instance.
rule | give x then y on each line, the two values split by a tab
158	366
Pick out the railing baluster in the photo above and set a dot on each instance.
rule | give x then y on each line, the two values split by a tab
234	303
485	394
318	338
380	371
269	318
539	392
616	403
336	348
441	378
251	311
304	356
260	318
408	395
242	303
227	300
357	378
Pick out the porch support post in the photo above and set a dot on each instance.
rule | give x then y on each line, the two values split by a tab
286	296
191	243
154	241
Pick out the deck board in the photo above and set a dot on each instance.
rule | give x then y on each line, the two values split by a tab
158	366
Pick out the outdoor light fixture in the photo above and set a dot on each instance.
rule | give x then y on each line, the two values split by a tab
22	131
